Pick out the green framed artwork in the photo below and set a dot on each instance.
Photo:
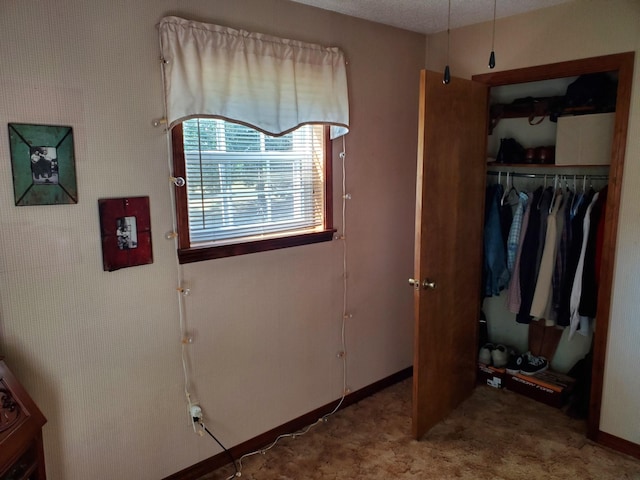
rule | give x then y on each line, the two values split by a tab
43	164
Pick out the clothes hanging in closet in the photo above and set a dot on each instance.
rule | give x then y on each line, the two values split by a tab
513	239
495	273
552	254
513	294
529	258
574	247
585	275
560	266
540	305
593	258
576	288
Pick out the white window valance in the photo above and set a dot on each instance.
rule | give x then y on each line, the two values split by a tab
269	83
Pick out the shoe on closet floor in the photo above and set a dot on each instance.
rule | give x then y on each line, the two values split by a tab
500	356
484	356
533	364
515	364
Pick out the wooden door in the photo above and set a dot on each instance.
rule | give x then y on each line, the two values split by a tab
448	244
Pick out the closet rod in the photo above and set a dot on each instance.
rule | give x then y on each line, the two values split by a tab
549	175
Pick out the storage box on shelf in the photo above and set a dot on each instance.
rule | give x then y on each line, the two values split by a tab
492	376
548	387
585	139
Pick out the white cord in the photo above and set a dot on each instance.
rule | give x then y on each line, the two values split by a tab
343	156
174	223
345	315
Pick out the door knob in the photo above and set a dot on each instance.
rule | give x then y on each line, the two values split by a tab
425	284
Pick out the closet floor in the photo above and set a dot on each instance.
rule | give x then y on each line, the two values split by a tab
495	434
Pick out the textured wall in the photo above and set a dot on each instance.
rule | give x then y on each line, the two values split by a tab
99	351
580	29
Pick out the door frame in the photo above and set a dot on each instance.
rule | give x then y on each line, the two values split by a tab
622	63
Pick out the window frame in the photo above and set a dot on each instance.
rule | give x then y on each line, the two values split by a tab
189	254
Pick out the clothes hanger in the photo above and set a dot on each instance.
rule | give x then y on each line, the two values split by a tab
513	190
567	189
556	196
575	195
545	187
580	197
513	186
506	192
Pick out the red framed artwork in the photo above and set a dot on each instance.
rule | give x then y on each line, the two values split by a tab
125	228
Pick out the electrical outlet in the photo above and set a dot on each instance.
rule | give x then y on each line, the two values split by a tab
196	413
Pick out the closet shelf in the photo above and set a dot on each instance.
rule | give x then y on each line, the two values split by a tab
537	108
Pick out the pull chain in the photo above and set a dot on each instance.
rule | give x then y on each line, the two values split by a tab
492	56
447	74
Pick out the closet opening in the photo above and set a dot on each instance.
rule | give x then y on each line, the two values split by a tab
564	161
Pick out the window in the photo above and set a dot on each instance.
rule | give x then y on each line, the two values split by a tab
246	191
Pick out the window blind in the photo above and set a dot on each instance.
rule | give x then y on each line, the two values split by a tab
244	185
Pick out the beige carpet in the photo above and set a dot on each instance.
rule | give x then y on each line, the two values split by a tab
495	434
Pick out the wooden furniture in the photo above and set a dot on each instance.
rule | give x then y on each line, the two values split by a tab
21	451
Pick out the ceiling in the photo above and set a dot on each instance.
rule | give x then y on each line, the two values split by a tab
429	16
